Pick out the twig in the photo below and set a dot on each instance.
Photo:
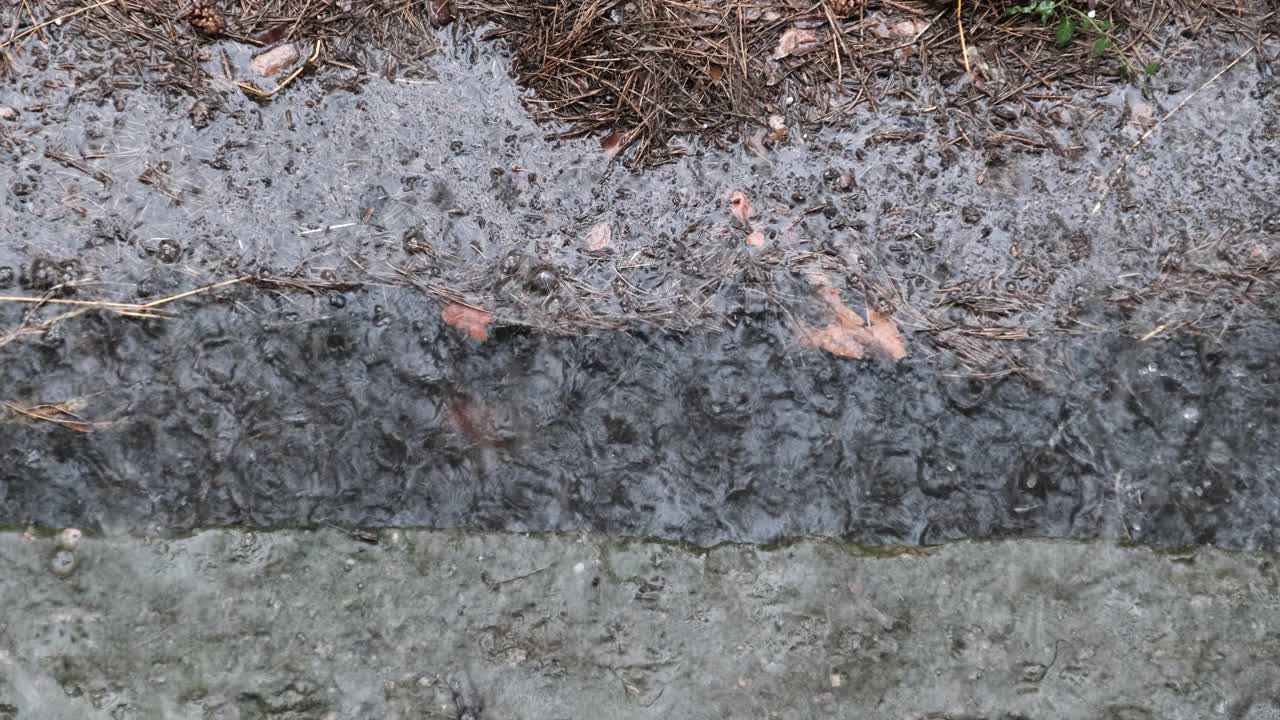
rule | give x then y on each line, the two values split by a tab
964	47
1124	160
136	308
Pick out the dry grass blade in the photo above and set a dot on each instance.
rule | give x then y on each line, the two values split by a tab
147	310
61	414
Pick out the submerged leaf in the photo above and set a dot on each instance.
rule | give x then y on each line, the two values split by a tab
740	209
849	336
471	320
598	237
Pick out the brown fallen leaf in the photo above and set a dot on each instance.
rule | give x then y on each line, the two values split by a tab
271	62
471	320
740	208
615	142
897	30
849	336
715	72
598	237
777	128
795	41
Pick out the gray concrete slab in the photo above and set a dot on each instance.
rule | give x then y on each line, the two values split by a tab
427	624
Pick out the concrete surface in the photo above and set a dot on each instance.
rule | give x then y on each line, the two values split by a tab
425	624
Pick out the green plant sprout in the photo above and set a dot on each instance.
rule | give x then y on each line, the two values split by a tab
1071	20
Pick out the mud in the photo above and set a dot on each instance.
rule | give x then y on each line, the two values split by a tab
1109	375
228	624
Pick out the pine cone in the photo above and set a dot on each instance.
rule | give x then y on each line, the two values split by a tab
844	8
206	18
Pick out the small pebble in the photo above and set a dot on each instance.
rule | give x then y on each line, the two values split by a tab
63	562
69	539
543	279
1007	113
8	113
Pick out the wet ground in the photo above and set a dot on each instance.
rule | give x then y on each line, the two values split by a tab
500	354
1070	374
229	624
243	416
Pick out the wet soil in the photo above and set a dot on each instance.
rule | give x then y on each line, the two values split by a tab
229	624
1072	374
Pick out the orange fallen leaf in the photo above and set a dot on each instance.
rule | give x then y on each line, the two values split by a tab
849	336
756	239
598	237
715	72
795	41
470	320
740	208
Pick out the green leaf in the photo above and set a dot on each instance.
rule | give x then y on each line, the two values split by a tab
1046	10
1100	46
1151	69
1066	31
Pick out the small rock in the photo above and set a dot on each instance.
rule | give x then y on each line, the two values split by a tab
543	279
270	63
8	113
1008	113
63	562
69	539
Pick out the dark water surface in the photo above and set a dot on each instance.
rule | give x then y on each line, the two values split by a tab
374	417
